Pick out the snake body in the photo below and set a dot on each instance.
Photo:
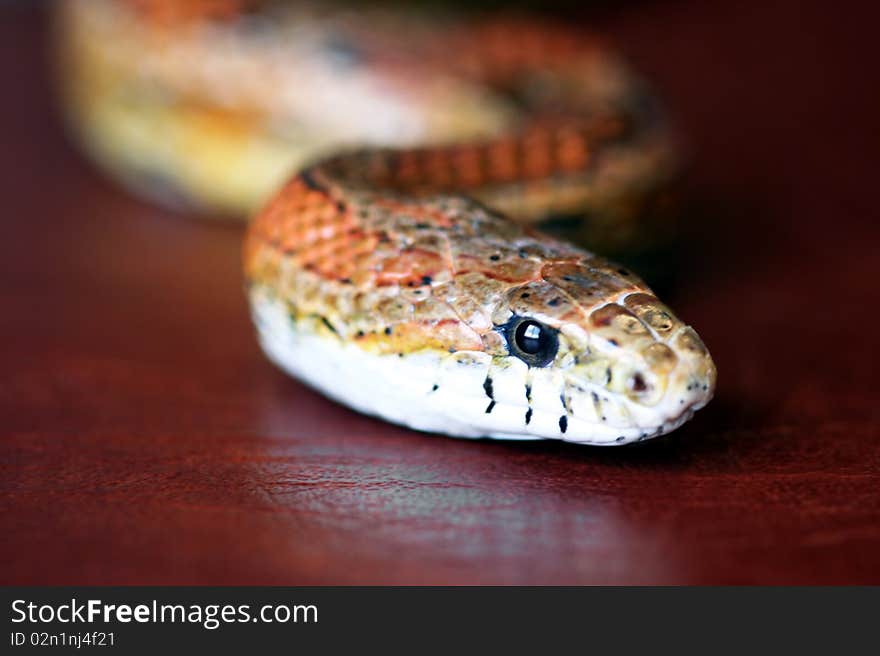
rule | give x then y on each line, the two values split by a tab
412	282
395	281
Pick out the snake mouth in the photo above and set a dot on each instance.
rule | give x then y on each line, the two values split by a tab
618	422
670	425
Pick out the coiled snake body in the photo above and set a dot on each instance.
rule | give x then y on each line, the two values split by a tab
411	282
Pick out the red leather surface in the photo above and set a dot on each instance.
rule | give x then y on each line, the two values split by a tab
146	440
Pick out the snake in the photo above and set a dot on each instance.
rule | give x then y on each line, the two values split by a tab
411	279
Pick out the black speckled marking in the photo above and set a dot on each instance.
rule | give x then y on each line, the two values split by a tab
329	325
597	405
490	407
487	387
528	416
310	182
563	423
435	387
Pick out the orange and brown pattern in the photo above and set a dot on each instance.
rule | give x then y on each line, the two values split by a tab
403	273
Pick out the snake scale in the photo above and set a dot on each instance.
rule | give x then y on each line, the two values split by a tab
413	283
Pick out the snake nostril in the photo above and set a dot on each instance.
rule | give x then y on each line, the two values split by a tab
637	383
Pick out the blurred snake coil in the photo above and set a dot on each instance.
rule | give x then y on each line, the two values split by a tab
402	270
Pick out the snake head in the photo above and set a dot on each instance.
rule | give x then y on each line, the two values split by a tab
602	360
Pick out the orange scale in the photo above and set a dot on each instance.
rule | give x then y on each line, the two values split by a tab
330	263
312	196
312	238
358	238
360	251
316	222
354	231
326	270
328	212
502	160
363	264
340	252
438	168
326	232
284	223
348	223
328	248
289	242
265	232
454	334
572	153
409	266
539	162
407	168
277	233
300	220
518	269
319	251
378	166
468	165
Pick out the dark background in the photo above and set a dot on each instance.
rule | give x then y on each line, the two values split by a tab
146	439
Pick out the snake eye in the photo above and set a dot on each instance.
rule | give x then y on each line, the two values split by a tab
532	341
